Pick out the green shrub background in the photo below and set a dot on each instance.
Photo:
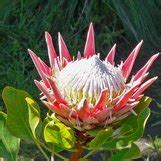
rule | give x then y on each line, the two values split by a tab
125	22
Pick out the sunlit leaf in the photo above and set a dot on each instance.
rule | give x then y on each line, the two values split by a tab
59	134
23	115
17	112
123	130
126	154
9	145
136	122
34	115
136	133
101	138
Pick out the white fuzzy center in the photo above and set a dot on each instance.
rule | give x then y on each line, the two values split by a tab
86	78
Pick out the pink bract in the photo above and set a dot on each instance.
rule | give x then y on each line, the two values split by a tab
86	92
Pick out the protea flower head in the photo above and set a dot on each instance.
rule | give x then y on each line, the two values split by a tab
87	92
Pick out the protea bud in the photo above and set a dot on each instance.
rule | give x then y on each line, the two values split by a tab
87	92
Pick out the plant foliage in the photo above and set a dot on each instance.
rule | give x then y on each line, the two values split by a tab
23	121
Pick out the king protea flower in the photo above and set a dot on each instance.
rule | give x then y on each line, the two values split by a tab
86	92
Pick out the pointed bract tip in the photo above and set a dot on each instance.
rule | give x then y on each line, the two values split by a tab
59	35
63	50
30	52
111	54
157	54
138	47
36	81
91	28
60	39
129	62
47	35
113	47
89	49
139	44
141	41
91	25
155	78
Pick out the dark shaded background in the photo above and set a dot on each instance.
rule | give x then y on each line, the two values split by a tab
23	23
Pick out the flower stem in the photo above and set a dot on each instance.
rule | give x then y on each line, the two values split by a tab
52	152
78	153
89	154
42	151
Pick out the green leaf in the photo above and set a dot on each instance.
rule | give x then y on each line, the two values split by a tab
137	132
122	131
34	115
23	113
17	112
94	132
144	103
141	121
101	138
131	119
59	134
9	145
126	154
133	152
45	122
136	123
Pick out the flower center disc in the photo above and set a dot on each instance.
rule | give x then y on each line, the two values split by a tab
86	78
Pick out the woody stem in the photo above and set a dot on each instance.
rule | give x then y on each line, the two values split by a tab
78	153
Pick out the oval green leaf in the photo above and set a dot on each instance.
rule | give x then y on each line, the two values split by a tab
126	154
124	140
59	135
9	145
34	116
101	138
22	116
